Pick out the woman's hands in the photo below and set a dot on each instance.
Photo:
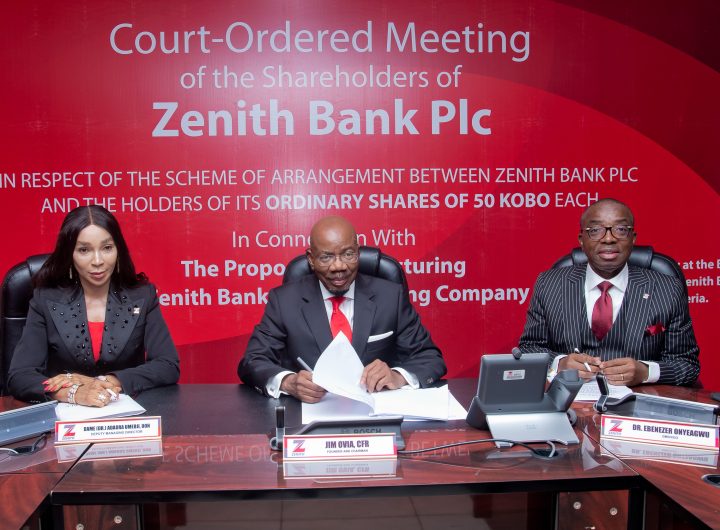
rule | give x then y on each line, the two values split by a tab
96	394
90	391
66	381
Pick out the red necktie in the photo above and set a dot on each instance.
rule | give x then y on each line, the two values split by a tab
338	320
602	312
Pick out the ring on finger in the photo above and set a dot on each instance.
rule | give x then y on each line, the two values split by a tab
622	377
68	375
101	397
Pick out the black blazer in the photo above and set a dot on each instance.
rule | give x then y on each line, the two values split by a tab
56	339
295	324
557	321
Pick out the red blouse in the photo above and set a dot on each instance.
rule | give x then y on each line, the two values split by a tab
96	333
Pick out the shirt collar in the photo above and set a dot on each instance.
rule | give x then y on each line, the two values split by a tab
350	295
592	279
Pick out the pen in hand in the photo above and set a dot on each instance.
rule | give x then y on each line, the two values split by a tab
587	365
304	364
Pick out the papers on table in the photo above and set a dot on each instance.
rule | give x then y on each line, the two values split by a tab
338	370
591	392
124	406
428	404
422	403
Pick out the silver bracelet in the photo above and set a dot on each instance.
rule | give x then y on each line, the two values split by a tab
71	393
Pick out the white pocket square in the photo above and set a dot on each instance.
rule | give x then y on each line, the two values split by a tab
375	338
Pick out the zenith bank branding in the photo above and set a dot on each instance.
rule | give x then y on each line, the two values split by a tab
323	117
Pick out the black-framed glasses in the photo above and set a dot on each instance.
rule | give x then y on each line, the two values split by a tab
349	256
38	444
596	233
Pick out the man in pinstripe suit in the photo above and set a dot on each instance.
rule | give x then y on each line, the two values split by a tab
636	328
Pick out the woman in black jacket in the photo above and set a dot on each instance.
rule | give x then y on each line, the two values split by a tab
94	327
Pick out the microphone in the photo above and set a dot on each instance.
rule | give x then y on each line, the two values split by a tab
516	353
276	443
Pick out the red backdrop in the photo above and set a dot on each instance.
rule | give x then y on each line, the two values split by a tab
470	156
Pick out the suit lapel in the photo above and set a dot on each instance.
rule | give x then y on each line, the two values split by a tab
364	314
574	295
123	312
315	315
70	319
635	309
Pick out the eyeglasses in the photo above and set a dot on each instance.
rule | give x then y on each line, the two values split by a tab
349	256
24	449
596	233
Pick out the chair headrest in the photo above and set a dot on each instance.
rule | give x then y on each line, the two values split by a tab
17	286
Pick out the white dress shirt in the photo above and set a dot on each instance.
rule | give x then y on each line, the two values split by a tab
348	309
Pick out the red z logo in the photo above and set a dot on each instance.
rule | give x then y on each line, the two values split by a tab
69	431
298	446
616	426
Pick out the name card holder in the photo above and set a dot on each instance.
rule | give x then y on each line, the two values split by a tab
108	430
339	447
682	434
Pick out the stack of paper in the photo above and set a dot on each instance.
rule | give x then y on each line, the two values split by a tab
338	370
591	392
124	406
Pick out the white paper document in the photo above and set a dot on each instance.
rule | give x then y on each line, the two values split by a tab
124	406
334	407
338	370
591	392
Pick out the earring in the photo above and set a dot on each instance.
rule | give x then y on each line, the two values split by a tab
71	273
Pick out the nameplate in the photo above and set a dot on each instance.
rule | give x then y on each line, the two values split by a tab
339	447
694	435
108	430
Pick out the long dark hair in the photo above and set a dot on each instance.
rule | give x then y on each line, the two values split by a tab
56	270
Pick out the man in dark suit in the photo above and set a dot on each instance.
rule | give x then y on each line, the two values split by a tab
302	317
633	324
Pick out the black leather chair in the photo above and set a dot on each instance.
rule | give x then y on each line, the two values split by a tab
641	256
14	302
372	262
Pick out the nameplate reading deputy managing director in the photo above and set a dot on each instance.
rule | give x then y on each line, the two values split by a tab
631	323
302	318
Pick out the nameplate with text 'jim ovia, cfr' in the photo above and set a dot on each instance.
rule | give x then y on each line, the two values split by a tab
339	447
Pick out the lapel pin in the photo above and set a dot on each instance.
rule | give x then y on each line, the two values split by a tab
136	310
646	296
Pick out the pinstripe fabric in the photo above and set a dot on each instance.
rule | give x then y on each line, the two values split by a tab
557	322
